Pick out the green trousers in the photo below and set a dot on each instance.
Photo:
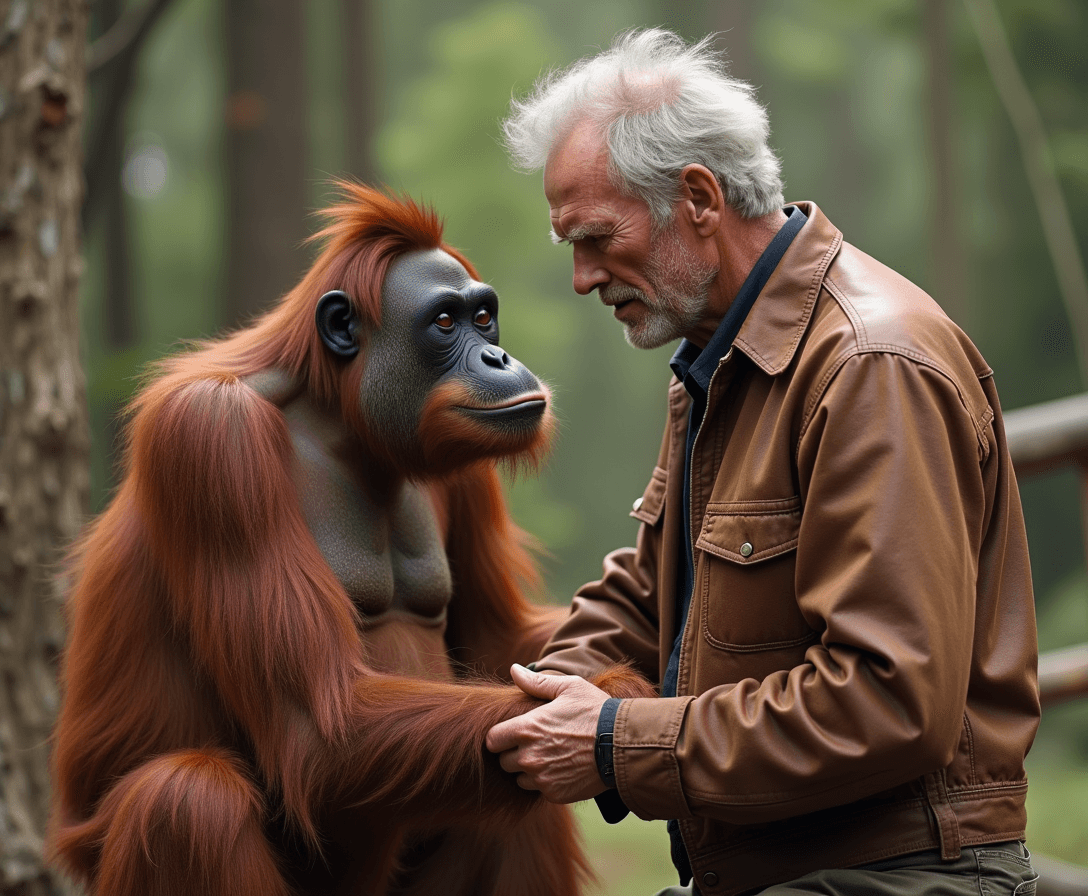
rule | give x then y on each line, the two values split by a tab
996	869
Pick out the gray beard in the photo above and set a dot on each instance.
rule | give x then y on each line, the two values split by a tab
681	286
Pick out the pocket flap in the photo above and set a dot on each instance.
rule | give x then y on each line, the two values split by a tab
750	531
648	507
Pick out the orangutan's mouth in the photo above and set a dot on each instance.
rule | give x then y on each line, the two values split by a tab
532	404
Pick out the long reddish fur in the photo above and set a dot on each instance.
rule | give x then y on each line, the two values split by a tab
215	678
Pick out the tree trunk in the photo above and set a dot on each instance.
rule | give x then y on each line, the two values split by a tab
43	417
111	211
112	60
948	281
362	86
120	310
734	20
266	153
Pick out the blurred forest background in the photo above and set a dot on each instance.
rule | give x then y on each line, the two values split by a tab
212	137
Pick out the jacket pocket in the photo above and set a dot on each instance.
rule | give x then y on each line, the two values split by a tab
648	508
745	577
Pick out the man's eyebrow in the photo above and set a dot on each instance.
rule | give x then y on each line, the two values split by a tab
581	231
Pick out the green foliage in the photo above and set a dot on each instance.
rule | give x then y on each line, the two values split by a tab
1058	762
630	858
1058	806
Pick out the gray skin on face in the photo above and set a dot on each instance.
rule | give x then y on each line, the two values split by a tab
438	323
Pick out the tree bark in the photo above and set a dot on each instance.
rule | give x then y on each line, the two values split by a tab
266	153
43	416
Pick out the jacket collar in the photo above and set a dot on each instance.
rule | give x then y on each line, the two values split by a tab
778	319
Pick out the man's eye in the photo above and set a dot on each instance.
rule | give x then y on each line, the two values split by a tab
444	321
483	318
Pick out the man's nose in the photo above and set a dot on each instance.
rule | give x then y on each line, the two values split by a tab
589	274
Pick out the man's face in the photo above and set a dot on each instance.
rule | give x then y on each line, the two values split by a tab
655	284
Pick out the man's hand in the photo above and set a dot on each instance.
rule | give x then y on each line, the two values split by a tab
550	748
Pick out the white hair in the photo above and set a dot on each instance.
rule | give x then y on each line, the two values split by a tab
661	105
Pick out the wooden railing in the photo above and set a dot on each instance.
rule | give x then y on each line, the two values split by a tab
1044	438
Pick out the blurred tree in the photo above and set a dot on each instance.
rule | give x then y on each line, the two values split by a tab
362	86
111	60
1057	225
110	79
733	20
169	186
266	153
730	21
43	418
947	253
1022	324
110	131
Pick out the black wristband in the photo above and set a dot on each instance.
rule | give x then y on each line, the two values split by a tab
602	752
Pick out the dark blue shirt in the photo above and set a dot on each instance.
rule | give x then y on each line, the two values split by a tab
694	367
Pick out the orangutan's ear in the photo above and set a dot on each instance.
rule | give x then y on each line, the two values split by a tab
338	324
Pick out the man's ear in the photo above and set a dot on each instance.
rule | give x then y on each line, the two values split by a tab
702	198
338	324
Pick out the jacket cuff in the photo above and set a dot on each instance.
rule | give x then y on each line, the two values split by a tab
644	756
602	753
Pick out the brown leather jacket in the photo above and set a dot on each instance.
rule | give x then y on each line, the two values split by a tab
860	652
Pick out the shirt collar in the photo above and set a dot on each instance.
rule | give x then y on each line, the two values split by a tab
694	366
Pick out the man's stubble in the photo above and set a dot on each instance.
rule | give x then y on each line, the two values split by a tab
681	286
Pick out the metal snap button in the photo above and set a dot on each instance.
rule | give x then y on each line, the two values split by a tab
746	549
638	503
710	879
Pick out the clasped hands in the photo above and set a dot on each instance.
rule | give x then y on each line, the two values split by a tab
551	748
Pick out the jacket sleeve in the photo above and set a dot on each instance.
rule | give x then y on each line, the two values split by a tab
613	620
897	477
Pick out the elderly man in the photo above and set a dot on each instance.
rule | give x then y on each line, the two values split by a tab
831	579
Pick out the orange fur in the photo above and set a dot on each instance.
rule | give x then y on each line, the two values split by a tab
451	439
222	730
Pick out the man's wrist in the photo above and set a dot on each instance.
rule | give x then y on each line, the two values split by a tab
602	752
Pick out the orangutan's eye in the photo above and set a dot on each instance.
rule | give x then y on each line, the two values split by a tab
483	318
444	321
